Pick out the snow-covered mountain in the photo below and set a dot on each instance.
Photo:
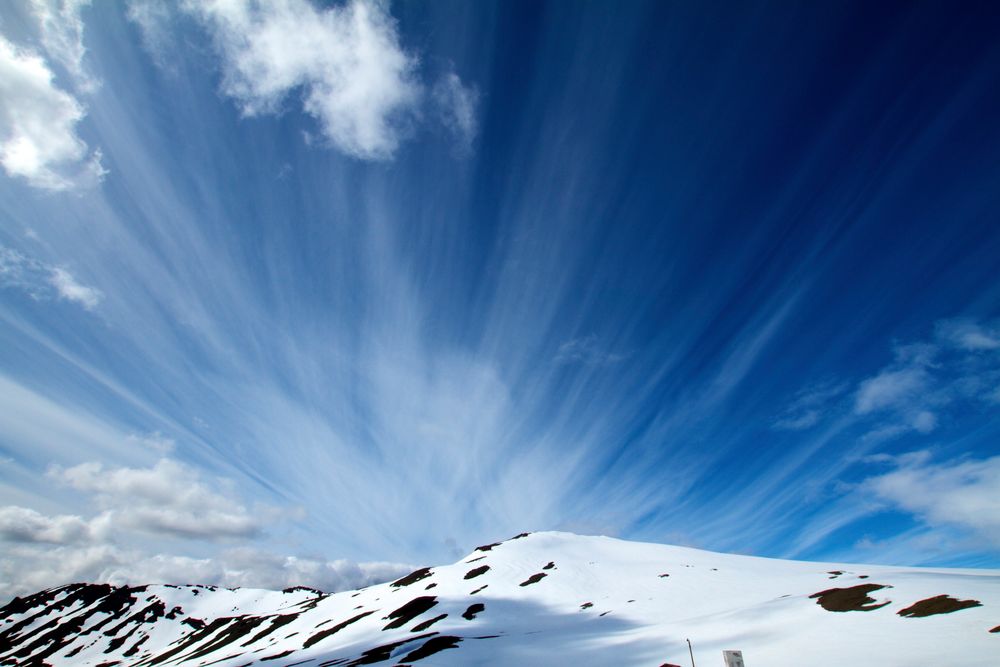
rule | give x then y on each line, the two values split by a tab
538	599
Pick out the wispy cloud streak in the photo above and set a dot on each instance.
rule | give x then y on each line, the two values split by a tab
612	311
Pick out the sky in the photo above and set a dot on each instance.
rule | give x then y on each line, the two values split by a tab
301	292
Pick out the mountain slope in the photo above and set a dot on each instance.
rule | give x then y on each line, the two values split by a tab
539	599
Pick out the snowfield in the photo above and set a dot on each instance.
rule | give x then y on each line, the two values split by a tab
538	599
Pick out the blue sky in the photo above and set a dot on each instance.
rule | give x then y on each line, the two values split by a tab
295	292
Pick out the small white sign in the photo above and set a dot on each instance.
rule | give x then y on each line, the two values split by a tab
733	658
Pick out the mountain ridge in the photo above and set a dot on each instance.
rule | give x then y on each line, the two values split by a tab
535	599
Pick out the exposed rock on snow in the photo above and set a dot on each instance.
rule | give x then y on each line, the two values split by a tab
939	604
854	598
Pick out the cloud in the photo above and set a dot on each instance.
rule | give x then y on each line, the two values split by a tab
69	289
61	28
927	379
154	19
588	351
969	335
809	407
20	524
455	104
38	139
924	421
262	569
171	500
168	499
43	281
801	421
346	60
963	493
27	568
889	388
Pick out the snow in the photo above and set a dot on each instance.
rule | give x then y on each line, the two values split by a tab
637	617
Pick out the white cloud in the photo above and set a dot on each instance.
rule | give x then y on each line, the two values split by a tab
809	407
928	379
456	107
42	281
168	499
801	421
964	494
154	442
61	29
20	524
27	568
889	388
924	421
16	270
38	139
156	20
69	289
346	60
262	569
586	350
969	335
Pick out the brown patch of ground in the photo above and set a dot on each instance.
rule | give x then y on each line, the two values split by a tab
132	650
664	575
432	646
233	630
420	627
939	604
550	566
533	579
520	535
479	589
488	547
276	623
410	611
473	609
191	639
413	577
586	605
380	653
996	629
335	629
475	572
854	598
278	656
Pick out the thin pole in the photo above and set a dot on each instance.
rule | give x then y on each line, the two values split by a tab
691	651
